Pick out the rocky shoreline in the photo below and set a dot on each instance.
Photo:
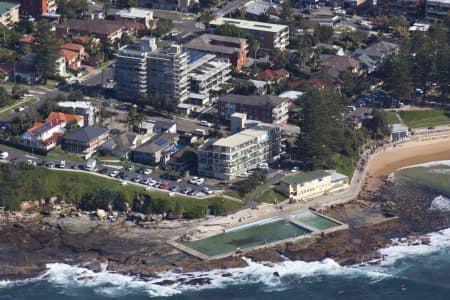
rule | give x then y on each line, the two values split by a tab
29	242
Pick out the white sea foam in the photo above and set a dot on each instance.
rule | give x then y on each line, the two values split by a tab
430	164
270	275
440	203
402	248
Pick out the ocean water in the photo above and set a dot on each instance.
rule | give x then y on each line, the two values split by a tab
407	270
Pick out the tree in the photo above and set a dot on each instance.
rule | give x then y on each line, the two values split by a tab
47	49
348	83
230	30
286	11
378	124
5	98
208	3
126	3
397	73
164	26
324	32
71	9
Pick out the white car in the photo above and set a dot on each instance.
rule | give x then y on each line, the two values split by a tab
200	181
4	155
206	191
243	175
205	123
114	174
147	171
263	166
295	169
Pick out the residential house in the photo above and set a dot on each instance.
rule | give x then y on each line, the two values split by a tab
254	9
82	108
266	108
235	49
71	58
156	151
165	127
372	57
9	13
306	185
325	17
184	160
105	30
227	158
270	36
44	135
338	64
85	140
272	76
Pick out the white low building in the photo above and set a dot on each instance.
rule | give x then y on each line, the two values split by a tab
305	185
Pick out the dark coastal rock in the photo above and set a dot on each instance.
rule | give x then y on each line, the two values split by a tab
199	281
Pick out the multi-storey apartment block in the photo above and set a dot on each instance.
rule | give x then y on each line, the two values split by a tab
266	108
270	36
411	9
9	13
146	69
37	8
228	157
436	10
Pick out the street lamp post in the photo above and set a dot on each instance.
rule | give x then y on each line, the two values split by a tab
256	51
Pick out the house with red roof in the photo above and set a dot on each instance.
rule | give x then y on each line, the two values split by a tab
45	135
272	75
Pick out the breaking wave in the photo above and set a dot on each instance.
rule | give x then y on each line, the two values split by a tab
440	203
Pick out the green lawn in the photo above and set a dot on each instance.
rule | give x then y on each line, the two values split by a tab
270	195
344	164
392	117
21	183
425	118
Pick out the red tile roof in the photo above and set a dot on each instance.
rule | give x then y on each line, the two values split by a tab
63	117
269	74
53	138
73	47
28	39
68	54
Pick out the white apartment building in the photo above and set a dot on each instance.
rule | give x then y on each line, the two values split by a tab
228	157
140	15
9	13
145	69
208	73
436	10
270	36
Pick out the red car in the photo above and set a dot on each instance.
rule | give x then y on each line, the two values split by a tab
164	185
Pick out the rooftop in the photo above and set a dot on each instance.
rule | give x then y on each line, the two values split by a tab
216	44
305	177
398	127
134	12
86	134
255	100
163	141
76	104
241	137
5	7
250	25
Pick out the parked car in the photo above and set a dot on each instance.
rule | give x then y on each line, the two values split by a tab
295	169
200	181
4	155
206	191
147	171
130	168
75	166
204	123
186	190
192	192
103	171
137	179
174	188
50	165
263	166
145	181
114	174
164	185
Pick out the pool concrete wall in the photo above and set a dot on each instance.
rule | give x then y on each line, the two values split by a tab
291	218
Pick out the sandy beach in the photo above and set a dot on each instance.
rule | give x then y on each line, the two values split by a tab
403	155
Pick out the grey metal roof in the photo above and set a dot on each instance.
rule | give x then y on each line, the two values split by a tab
255	100
86	134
